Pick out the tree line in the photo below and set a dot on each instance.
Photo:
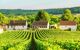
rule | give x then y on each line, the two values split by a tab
29	12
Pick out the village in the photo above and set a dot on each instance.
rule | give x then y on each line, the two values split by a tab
23	25
43	20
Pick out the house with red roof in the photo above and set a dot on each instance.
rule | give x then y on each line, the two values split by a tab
41	24
64	25
17	25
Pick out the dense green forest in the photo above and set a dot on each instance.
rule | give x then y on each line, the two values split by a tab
29	12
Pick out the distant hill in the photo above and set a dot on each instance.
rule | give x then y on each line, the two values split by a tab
28	12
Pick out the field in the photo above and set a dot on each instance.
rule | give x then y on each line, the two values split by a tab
40	40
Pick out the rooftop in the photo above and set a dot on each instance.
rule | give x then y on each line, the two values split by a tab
41	22
18	22
68	23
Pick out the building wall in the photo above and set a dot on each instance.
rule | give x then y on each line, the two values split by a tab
48	26
1	30
17	27
72	27
45	27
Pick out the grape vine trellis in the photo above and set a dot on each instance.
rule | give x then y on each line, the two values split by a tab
39	40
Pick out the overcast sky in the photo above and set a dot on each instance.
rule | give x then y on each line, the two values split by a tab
37	4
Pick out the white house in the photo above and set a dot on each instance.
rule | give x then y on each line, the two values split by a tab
17	25
41	24
64	25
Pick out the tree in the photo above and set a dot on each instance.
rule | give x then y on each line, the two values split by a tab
30	19
3	19
20	18
42	15
76	19
67	15
78	27
54	19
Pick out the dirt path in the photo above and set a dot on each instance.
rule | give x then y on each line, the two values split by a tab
33	45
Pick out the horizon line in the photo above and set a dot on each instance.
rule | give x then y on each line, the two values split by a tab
40	8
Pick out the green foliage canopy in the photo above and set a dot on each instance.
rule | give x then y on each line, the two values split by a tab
67	15
3	19
42	15
54	19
